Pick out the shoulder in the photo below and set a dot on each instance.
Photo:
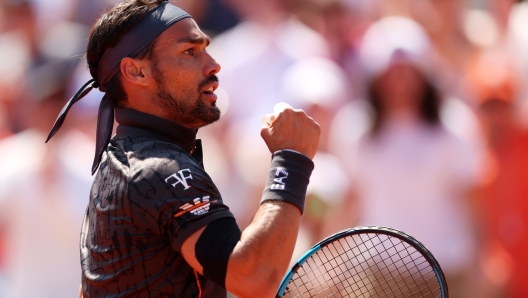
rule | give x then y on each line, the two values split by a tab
153	160
166	183
160	167
142	154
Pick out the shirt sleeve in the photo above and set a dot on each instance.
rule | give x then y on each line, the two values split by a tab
174	198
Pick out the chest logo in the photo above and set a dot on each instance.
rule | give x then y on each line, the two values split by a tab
280	175
201	206
180	179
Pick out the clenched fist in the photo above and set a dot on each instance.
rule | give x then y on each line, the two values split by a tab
292	129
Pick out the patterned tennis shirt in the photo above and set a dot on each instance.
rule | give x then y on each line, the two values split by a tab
150	194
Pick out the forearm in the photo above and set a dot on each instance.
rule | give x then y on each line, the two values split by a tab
263	253
261	257
257	258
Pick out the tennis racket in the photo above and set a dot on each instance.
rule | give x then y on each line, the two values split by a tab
366	262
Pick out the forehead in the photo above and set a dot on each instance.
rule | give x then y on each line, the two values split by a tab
181	32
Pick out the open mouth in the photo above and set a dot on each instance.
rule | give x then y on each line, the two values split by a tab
209	91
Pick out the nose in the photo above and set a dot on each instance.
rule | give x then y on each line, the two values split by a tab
212	66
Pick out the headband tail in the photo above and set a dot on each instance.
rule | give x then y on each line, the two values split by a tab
85	89
155	22
105	125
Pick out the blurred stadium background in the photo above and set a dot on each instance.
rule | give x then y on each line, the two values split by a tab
423	107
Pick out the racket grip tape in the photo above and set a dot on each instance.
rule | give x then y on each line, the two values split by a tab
288	178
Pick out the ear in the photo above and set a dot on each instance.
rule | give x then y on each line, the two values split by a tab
135	71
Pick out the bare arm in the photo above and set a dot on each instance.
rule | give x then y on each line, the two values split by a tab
261	257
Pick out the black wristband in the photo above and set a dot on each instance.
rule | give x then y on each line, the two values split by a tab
288	178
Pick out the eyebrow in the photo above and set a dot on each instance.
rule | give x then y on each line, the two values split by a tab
196	40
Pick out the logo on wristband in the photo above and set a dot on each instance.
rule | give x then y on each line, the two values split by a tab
280	174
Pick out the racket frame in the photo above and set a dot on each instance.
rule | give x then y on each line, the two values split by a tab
363	230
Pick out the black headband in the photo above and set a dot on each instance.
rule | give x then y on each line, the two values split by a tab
155	22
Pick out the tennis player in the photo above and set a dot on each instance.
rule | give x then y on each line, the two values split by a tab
156	225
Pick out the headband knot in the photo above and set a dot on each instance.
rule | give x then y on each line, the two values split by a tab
155	22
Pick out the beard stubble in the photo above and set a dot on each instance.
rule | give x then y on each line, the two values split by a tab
190	110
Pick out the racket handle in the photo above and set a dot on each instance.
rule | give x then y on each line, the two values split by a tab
279	107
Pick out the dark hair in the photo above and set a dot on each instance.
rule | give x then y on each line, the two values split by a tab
429	106
106	33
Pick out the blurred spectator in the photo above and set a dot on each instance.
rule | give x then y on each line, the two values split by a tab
43	193
254	56
342	23
256	52
18	47
4	129
213	16
43	188
518	41
500	9
26	49
218	17
410	171
414	163
319	87
444	22
492	77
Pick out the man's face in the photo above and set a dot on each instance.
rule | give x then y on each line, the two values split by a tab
185	75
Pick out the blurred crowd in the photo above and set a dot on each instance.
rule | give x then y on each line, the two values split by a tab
422	104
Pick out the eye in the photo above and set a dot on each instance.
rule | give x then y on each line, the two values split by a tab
189	52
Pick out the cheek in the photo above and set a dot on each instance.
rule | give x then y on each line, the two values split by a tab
178	75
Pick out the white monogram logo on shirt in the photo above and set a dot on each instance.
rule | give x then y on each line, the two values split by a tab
180	178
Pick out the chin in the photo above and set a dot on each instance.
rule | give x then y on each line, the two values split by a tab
204	118
211	120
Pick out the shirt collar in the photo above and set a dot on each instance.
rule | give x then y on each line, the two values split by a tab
133	122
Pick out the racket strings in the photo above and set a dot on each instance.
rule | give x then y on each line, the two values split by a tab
412	259
423	277
370	282
396	269
384	281
365	265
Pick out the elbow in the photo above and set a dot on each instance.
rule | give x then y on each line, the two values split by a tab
261	283
267	284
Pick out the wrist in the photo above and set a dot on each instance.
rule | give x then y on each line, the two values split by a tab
288	178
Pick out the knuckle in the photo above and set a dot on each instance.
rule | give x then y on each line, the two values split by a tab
317	127
300	112
288	111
